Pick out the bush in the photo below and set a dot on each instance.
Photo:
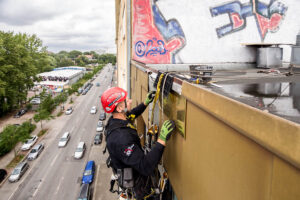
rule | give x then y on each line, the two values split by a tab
11	135
29	106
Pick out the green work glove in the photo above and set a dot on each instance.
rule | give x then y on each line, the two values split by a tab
166	130
150	97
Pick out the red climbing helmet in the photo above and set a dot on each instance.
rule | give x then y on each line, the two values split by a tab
111	97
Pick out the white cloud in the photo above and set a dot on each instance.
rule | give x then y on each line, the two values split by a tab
62	25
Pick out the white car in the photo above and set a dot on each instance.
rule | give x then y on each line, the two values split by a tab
35	151
93	110
69	111
64	139
79	150
99	126
29	143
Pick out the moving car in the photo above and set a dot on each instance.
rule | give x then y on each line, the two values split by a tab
35	151
20	113
64	139
85	193
93	110
69	111
102	116
97	84
98	138
79	150
18	172
89	172
99	126
29	143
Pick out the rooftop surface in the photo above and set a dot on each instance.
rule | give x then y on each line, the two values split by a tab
271	90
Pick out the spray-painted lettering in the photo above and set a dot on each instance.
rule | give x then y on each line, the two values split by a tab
152	48
268	17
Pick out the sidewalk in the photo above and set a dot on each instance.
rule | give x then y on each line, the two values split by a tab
103	173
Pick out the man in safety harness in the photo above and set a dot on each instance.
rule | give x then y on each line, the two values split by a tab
123	142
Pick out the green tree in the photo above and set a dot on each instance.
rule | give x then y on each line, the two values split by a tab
74	54
22	56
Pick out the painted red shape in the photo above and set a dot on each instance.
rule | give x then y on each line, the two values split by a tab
237	21
144	29
266	24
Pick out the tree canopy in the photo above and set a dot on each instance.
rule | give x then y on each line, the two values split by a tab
22	56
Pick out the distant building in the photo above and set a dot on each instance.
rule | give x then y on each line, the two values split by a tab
60	78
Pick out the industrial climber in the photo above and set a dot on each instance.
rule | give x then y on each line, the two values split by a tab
123	142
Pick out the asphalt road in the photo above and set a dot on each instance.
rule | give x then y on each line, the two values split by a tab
55	174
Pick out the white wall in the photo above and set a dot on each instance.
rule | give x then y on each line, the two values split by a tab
202	42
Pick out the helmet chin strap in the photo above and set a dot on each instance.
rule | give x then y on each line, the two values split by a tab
125	110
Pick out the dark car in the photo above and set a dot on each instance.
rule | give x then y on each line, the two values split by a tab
20	113
102	116
3	174
85	193
98	138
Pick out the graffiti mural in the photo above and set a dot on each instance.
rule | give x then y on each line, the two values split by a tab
155	40
268	17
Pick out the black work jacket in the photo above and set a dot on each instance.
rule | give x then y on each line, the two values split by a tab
124	146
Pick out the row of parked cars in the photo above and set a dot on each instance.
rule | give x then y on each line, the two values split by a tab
85	89
22	167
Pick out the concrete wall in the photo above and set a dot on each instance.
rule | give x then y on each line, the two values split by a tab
122	46
210	31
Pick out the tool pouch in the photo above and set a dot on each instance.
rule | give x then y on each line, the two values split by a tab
125	178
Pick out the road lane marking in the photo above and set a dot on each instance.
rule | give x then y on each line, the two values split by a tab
37	188
57	189
52	163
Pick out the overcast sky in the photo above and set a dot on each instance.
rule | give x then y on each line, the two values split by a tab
62	24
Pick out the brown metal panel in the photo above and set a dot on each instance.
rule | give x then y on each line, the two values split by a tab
174	108
145	113
274	133
216	162
286	181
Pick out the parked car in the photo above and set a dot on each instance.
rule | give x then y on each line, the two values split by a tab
35	151
84	92
3	174
89	172
80	90
102	116
79	150
18	172
93	110
64	139
98	138
69	111
20	113
99	126
85	193
29	143
35	100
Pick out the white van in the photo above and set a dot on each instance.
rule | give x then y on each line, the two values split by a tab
64	139
79	150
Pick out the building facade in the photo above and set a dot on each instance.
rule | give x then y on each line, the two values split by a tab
222	149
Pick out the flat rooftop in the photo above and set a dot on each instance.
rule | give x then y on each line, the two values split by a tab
270	90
